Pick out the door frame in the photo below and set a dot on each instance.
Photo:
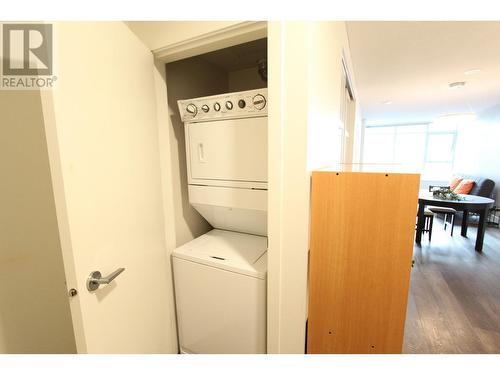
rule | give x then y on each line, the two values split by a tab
226	37
350	109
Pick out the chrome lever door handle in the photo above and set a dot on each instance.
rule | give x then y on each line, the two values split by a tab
95	279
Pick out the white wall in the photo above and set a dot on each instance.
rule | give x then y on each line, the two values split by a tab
304	111
288	202
34	309
477	150
327	44
358	136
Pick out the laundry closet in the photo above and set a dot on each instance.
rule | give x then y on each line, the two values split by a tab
218	111
115	162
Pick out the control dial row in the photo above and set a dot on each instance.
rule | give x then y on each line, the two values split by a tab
258	101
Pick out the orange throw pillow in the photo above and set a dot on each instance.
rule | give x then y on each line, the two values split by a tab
455	181
464	187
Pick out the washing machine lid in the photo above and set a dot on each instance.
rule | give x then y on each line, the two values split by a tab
236	252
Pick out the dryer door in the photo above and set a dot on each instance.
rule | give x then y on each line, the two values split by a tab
231	150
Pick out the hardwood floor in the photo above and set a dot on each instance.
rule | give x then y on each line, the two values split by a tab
454	302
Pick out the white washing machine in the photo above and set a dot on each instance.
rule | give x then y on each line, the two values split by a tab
220	277
220	292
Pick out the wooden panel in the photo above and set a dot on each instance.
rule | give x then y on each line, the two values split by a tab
362	228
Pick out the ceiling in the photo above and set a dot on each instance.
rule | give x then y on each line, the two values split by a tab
412	63
241	56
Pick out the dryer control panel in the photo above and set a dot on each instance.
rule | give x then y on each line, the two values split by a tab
251	103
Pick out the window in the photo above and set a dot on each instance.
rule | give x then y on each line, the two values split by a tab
410	146
379	145
424	148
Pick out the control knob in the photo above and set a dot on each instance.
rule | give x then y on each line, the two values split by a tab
205	108
191	109
259	102
216	107
229	105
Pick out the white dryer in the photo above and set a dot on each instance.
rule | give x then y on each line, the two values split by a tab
226	154
220	292
220	277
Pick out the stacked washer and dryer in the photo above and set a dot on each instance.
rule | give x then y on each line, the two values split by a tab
220	277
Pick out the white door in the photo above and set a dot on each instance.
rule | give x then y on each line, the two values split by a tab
102	135
233	150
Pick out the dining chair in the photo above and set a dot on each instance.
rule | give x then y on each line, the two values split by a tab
428	222
446	211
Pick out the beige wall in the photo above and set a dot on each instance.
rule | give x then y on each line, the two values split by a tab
34	309
304	91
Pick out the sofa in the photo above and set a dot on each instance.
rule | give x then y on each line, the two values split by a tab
483	187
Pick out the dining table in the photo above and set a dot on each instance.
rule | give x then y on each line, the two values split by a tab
466	204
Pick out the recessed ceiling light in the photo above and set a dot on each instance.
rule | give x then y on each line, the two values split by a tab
387	102
472	71
457	85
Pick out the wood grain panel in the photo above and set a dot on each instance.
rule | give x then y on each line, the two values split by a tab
362	228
